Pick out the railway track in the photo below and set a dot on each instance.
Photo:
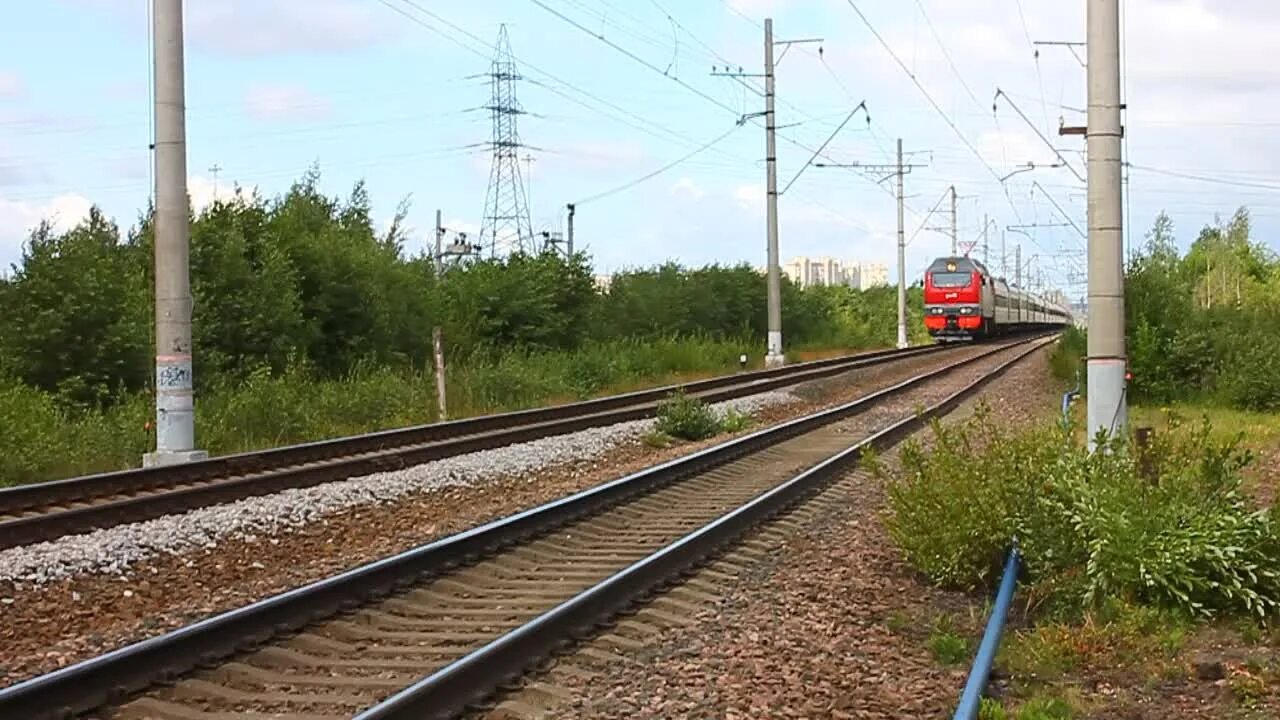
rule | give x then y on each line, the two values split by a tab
46	511
430	631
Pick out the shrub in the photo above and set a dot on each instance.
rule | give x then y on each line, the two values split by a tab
956	507
733	421
687	418
1091	526
1068	354
1251	379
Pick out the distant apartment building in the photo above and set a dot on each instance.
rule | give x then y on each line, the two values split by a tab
872	274
604	282
808	272
1057	297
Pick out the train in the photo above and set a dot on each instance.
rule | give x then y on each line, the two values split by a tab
963	300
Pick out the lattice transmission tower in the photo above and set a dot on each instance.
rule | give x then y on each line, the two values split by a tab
505	227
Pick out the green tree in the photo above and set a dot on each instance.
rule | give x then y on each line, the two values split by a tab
1194	321
350	282
247	312
77	313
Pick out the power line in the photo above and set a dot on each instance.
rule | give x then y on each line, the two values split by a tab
1033	127
658	70
1204	178
947	54
741	14
710	51
1061	212
937	108
633	56
654	39
671	135
657	172
1035	54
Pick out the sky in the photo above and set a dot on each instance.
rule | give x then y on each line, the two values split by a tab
392	92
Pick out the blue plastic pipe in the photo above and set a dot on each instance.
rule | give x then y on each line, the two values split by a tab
972	697
1066	401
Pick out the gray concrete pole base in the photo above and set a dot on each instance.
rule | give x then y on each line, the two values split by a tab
158	459
774	358
1106	407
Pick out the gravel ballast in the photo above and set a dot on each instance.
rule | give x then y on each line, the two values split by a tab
113	550
833	624
62	621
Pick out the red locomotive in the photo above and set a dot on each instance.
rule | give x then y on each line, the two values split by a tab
963	300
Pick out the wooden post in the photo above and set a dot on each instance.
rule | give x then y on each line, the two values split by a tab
1146	463
437	346
437	341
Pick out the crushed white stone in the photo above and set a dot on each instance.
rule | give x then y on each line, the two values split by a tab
114	550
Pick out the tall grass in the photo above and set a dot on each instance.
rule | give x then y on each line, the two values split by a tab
42	439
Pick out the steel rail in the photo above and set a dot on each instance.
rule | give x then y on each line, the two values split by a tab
449	691
112	677
21	497
172	489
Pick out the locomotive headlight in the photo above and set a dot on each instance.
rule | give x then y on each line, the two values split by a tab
966	311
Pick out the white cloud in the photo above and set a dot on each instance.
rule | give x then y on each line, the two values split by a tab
285	102
463	226
750	197
686	187
18	218
204	191
11	85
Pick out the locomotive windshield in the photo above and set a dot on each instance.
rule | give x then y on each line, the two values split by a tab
951	279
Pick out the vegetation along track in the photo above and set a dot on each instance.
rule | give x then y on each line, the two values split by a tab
477	609
45	511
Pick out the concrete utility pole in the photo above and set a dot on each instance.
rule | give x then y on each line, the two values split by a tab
773	356
1107	358
900	170
1017	269
1004	258
902	257
175	394
437	339
986	249
568	248
955	238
